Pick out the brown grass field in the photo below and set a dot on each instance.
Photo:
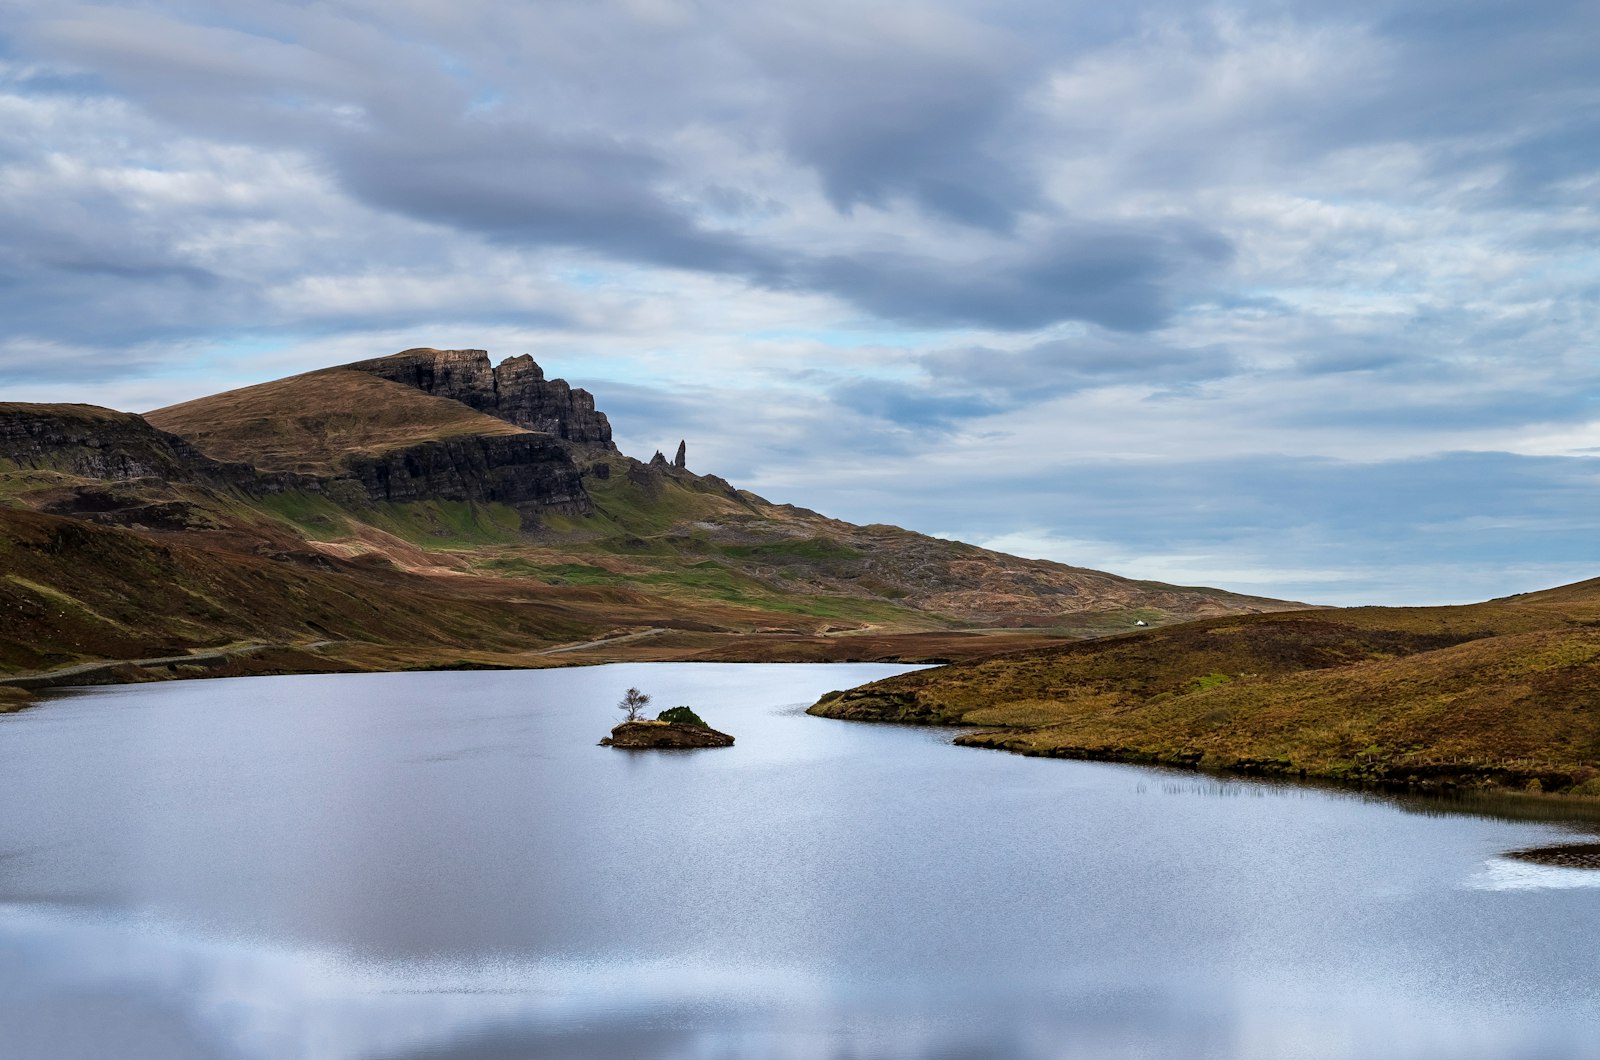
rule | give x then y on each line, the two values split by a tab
1505	693
308	423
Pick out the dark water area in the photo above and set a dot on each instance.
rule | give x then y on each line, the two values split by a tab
445	865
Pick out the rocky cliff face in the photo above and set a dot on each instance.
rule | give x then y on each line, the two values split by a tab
516	391
98	443
529	472
122	470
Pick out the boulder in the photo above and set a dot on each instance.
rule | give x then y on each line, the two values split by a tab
638	735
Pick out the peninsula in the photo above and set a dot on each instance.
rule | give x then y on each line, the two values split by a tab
1499	694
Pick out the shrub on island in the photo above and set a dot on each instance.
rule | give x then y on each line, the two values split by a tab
681	716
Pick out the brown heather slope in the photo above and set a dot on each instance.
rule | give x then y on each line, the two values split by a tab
310	423
83	594
86	592
1506	692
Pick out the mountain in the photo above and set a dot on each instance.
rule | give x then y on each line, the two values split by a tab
432	508
1503	693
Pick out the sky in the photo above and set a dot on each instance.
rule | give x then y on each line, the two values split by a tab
1295	298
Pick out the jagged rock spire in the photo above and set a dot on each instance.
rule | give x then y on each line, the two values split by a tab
683	452
659	460
516	391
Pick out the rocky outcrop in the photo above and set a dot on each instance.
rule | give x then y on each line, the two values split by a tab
98	443
525	397
107	446
870	704
659	460
528	472
645	735
1567	856
681	460
516	391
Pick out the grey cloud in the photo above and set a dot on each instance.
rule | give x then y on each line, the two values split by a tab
1128	277
912	103
97	273
515	185
973	382
926	115
913	406
1488	86
1340	355
1070	364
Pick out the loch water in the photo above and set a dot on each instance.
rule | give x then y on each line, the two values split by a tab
447	866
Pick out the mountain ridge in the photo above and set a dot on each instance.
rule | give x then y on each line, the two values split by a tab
438	465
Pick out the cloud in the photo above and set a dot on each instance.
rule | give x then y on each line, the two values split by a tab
1126	277
940	92
978	382
842	244
909	102
524	187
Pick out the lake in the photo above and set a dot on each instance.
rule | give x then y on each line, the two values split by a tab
445	865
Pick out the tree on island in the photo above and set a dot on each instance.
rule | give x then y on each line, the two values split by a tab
675	728
633	703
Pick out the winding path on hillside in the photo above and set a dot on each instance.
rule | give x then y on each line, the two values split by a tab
75	674
604	641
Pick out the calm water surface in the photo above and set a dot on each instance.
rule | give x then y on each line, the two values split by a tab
444	865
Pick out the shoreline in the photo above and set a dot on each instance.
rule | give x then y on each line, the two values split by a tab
258	659
1431	779
1544	783
15	699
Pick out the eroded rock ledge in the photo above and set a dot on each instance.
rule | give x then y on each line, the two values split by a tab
515	391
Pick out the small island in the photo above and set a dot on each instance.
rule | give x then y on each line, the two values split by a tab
674	728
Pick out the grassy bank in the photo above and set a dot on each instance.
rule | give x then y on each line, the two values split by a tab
1504	694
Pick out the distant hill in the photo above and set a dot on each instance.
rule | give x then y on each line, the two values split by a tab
1504	693
493	499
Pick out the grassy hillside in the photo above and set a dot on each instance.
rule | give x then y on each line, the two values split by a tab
669	520
309	423
67	411
87	592
74	593
664	530
1506	692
